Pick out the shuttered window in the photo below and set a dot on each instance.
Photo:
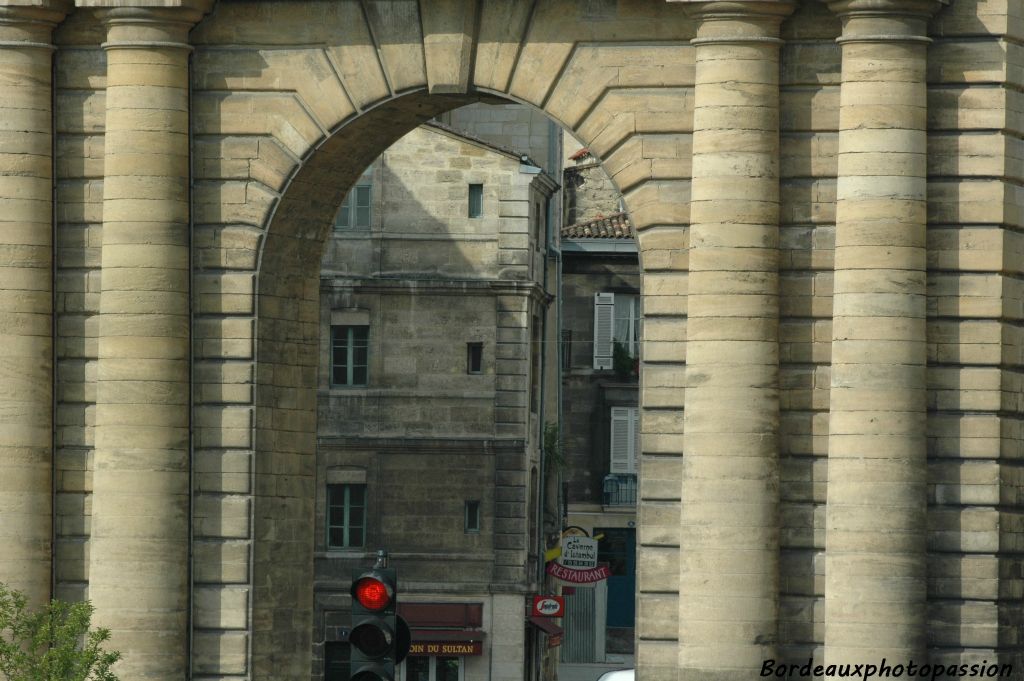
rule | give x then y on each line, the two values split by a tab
624	441
617	319
604	319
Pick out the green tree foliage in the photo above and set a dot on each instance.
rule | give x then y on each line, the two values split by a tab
53	643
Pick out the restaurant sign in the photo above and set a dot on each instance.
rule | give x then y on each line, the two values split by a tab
579	553
447	648
578	576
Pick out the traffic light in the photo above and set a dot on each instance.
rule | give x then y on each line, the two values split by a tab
374	636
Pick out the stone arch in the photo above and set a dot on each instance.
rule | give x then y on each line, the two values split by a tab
287	128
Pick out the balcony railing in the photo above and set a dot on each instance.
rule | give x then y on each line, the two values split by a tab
619	490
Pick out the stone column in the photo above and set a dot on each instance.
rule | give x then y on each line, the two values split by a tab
729	536
875	516
26	296
138	573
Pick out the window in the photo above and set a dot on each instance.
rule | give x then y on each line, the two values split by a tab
472	516
535	367
624	441
433	668
540	225
474	358
346	516
355	209
476	200
566	350
617	320
349	355
336	661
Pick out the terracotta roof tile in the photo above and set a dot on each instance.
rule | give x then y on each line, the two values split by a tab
580	154
614	226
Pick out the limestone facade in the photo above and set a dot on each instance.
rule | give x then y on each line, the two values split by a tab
600	307
183	420
426	432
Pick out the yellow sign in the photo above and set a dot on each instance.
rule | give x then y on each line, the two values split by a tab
447	648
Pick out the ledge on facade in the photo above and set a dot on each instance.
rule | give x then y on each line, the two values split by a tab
447	445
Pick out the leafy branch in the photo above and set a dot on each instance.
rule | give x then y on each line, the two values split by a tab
53	643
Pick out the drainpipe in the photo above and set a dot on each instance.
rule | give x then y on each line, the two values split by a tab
191	372
53	324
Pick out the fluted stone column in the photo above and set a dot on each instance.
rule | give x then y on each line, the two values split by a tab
729	537
875	588
140	525
26	296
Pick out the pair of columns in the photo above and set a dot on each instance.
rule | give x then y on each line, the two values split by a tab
876	496
138	570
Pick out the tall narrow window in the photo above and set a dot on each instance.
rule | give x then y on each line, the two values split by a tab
540	225
346	516
355	209
472	516
474	358
617	320
566	350
349	355
476	200
624	443
535	377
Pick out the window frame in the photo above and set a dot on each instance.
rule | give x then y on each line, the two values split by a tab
624	462
471	512
350	347
432	666
476	196
346	525
475	351
606	321
350	209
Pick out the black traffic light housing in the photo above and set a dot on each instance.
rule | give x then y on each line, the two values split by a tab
374	634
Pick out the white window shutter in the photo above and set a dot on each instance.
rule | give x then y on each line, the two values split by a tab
604	309
634	422
621	460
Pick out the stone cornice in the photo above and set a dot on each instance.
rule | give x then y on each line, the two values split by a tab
28	23
738	21
910	8
885	21
148	25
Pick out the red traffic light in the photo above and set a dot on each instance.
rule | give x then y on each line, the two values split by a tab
372	593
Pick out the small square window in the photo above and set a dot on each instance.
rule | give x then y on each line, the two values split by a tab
354	212
476	200
473	515
474	358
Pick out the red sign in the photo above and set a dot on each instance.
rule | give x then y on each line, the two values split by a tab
578	576
548	606
447	648
554	641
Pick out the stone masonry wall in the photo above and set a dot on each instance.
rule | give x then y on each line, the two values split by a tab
288	98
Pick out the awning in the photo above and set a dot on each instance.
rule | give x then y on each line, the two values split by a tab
426	635
546	625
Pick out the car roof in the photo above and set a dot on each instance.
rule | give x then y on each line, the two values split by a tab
619	675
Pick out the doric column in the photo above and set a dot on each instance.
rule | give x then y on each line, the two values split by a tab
140	524
26	296
729	537
875	516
